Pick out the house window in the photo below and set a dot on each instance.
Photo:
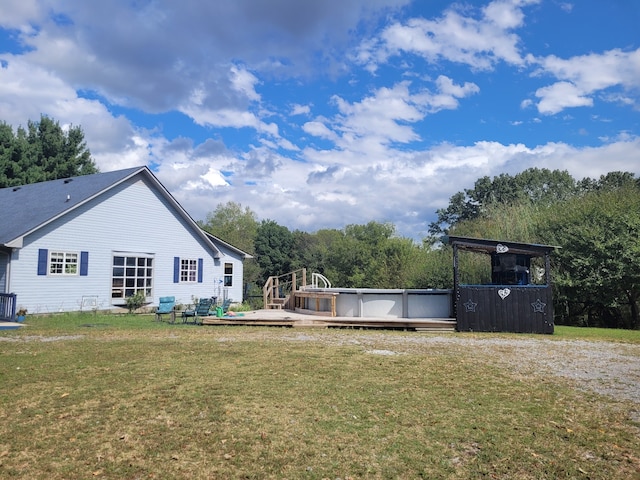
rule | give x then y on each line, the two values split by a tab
228	274
63	263
131	274
188	270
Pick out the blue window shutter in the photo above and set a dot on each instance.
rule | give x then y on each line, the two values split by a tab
200	262
176	269
43	257
84	264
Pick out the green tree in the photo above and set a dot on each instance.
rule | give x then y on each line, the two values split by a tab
537	186
234	224
356	255
43	152
238	226
610	181
597	270
313	252
273	248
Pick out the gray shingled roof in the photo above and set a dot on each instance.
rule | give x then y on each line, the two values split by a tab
25	208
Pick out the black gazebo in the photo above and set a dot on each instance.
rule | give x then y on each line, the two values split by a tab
511	302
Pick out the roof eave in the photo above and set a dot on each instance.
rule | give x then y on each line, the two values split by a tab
244	255
489	246
15	243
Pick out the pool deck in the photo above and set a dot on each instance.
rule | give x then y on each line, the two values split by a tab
289	318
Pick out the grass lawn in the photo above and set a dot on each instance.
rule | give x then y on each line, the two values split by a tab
124	397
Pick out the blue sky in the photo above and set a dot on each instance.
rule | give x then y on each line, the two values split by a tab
324	114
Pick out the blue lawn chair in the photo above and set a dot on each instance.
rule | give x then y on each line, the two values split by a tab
166	306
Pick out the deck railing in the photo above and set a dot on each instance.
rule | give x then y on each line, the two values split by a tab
277	290
8	307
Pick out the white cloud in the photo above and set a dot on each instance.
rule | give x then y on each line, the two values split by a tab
367	127
244	82
559	96
456	37
319	129
297	109
20	13
581	77
27	91
373	148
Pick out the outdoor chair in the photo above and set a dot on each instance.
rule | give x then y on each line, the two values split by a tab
225	305
166	306
200	310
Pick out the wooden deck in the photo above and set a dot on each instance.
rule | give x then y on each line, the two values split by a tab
288	318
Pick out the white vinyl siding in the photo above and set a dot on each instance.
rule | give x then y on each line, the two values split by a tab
131	219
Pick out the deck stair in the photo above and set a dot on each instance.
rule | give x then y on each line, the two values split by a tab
278	303
278	291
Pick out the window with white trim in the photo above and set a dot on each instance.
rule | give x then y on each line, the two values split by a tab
188	270
131	273
228	274
63	263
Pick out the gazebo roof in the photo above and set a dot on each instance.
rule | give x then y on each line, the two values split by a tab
499	246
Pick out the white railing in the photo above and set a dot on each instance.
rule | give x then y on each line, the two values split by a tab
317	278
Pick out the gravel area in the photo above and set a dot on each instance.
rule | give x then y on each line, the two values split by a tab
607	368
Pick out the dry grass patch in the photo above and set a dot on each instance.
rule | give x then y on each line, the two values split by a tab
214	402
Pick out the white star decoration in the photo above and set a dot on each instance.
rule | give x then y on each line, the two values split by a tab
470	305
538	306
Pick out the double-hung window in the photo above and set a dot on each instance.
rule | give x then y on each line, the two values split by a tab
57	263
63	263
188	270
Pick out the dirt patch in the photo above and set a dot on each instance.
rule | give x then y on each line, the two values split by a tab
39	338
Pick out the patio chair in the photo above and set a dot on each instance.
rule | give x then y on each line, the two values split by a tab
201	310
166	306
225	305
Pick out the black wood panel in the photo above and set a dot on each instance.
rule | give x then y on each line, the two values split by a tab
506	308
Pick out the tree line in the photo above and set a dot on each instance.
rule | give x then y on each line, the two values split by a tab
594	222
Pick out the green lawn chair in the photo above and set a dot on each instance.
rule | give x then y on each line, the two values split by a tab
201	310
166	306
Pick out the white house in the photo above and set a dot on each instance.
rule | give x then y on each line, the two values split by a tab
94	240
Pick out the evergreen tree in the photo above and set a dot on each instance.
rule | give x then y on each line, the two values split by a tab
44	151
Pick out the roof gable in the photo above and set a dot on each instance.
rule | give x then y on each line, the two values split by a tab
29	207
